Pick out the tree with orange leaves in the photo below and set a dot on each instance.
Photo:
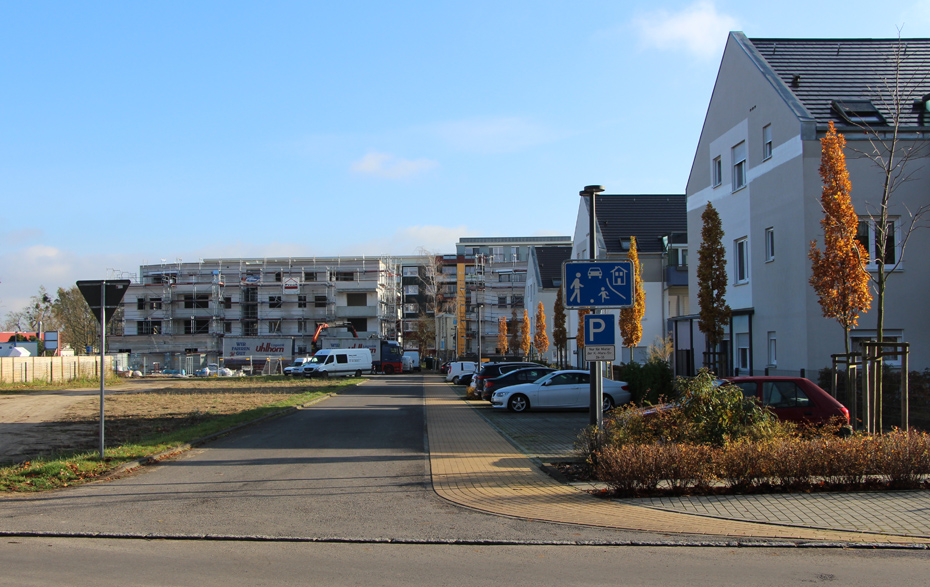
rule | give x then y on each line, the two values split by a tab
631	319
579	336
837	273
502	335
540	338
525	339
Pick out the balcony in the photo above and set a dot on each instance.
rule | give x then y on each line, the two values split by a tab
676	275
356	311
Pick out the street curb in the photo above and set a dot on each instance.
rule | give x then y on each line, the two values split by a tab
748	543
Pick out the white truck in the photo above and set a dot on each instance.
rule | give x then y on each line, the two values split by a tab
336	362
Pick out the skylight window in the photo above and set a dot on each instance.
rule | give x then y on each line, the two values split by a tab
858	112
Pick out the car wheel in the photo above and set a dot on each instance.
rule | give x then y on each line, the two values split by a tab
455	380
607	403
358	373
325	374
518	403
388	369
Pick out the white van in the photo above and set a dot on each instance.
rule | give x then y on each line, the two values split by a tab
414	359
297	366
459	368
336	362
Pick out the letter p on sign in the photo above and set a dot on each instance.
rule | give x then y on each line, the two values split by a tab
598	329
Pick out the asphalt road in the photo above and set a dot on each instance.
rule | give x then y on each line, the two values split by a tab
340	494
354	467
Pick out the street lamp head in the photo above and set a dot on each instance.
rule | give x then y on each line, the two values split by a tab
594	189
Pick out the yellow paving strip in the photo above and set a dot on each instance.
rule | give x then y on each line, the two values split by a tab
474	466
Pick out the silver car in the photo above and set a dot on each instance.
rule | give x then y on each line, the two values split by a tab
559	390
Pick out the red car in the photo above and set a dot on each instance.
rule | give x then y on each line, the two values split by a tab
792	398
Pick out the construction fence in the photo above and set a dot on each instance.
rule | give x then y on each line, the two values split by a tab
54	369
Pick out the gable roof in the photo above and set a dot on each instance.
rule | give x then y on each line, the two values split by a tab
648	217
823	74
549	265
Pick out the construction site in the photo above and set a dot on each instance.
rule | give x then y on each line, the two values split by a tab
251	312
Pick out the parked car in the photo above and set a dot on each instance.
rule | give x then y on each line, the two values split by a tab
459	368
466	379
515	377
794	399
414	357
492	370
296	368
560	389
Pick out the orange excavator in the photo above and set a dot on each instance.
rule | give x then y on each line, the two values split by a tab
314	344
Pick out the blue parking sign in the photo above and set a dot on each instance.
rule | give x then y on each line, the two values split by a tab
597	284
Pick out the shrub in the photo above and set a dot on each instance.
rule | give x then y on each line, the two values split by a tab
648	381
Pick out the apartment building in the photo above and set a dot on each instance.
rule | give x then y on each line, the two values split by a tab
226	308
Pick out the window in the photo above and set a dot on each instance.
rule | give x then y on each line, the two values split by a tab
411	308
717	171
870	238
140	303
515	253
356	299
345	276
197	326
411	272
227	327
501	301
302	326
858	112
772	350
769	244
893	336
194	301
741	261
784	394
742	351
739	166
518	301
227	303
274	326
319	301
274	301
301	301
250	328
497	254
144	327
411	290
766	142
277	277
155	304
309	275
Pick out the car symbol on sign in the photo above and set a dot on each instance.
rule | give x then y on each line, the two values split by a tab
595	272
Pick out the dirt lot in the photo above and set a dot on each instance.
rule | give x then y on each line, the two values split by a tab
46	422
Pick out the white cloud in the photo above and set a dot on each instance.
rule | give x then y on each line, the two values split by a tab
494	135
390	167
698	28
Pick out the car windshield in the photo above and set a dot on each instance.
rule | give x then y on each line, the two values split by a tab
317	358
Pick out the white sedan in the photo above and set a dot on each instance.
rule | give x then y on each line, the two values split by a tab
559	389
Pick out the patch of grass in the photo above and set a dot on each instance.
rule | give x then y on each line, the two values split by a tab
141	425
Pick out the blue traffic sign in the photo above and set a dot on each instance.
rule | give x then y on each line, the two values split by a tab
599	330
598	284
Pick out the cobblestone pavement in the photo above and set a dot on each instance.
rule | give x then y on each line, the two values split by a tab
498	445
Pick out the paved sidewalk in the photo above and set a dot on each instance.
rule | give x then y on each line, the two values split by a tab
475	466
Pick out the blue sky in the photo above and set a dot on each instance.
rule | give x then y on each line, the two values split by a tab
133	132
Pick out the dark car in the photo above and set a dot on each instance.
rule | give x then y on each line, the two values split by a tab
465	379
492	370
516	377
794	399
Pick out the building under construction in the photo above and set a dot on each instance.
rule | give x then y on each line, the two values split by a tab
182	315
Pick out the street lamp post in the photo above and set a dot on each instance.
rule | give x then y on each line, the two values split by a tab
595	413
